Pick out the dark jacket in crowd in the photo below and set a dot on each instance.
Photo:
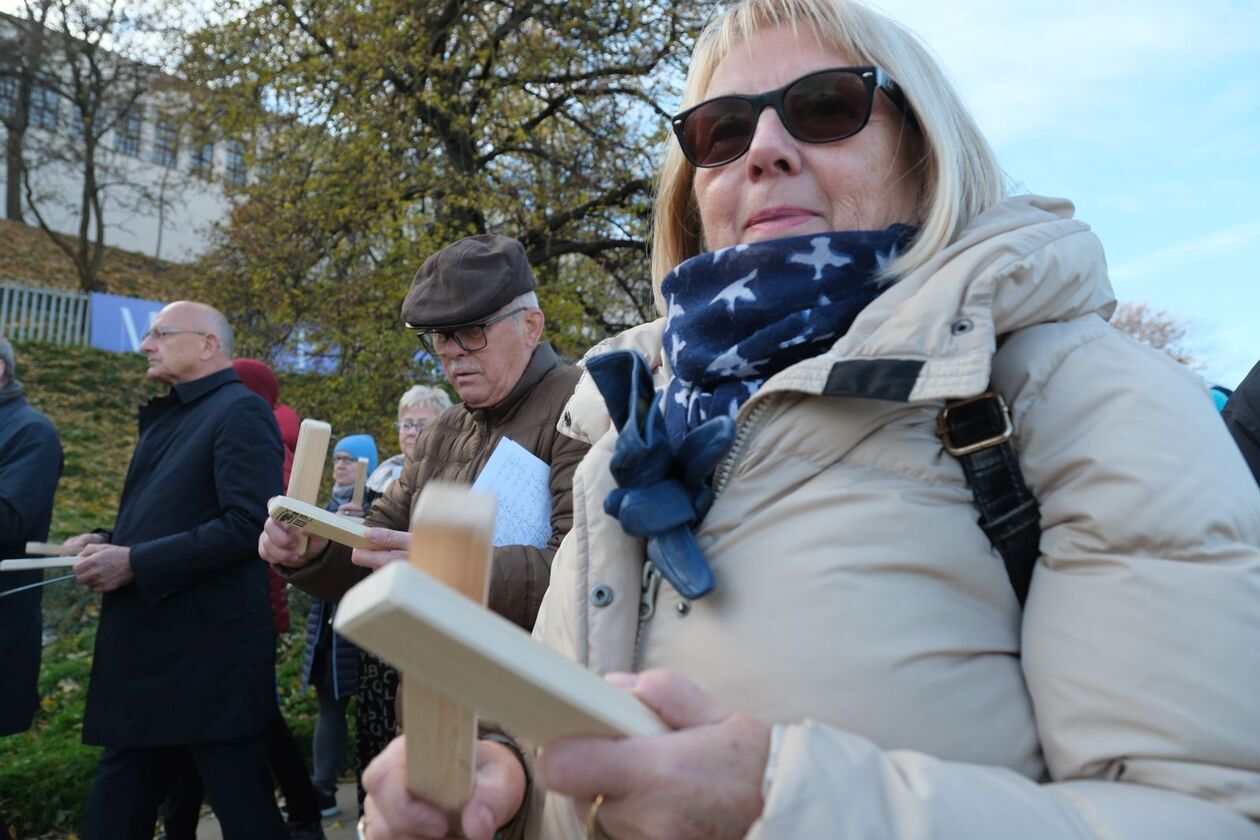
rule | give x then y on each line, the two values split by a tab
30	466
322	643
185	653
1242	415
455	447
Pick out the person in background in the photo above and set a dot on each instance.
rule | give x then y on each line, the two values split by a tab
378	682
1220	396
184	665
183	808
1242	417
781	556
419	405
30	467
332	663
474	307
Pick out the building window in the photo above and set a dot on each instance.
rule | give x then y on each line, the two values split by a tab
234	170
203	160
165	143
44	107
127	132
8	95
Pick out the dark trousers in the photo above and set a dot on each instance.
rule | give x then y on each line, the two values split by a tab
284	754
131	783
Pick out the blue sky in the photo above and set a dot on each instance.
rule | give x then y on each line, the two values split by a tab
1147	115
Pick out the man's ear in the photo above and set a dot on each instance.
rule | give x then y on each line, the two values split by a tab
211	347
534	321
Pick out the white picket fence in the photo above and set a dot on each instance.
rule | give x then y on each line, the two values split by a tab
33	313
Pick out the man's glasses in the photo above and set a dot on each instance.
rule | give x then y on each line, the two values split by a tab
410	425
160	333
470	339
821	107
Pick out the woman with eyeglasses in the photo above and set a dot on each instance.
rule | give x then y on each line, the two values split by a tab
417	406
864	340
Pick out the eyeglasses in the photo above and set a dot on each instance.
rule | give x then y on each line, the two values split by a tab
820	107
410	425
470	339
165	332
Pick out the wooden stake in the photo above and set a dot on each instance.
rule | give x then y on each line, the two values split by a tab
452	534
308	464
360	479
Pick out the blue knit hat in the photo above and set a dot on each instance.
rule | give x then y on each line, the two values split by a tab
360	446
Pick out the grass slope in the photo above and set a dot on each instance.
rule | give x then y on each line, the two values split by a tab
28	256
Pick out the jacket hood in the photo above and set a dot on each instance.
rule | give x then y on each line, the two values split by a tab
259	378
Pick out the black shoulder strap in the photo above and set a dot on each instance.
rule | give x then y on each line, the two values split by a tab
977	431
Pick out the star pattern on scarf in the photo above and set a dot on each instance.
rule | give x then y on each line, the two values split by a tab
729	249
730	363
679	343
674	310
821	257
737	291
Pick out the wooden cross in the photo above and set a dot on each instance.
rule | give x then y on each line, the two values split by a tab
308	465
457	658
360	479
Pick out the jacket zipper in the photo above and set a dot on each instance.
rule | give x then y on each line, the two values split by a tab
647	607
726	468
651	581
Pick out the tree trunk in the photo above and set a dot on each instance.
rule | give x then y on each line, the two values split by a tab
13	176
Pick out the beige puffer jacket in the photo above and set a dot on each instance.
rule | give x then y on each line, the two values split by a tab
859	604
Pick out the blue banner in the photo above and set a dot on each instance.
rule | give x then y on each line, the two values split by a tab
119	323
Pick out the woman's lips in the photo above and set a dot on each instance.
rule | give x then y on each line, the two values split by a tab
777	218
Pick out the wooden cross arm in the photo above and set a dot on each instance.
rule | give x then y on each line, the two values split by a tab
316	520
21	564
483	661
51	549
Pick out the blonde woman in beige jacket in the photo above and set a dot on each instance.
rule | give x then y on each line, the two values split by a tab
862	667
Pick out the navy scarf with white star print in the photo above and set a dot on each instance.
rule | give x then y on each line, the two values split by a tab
742	314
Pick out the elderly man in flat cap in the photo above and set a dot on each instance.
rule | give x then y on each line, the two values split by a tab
474	308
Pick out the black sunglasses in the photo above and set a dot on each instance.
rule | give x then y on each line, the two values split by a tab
820	107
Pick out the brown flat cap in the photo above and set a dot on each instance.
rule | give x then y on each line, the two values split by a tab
466	282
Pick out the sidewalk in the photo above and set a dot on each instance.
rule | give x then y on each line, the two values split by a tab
340	827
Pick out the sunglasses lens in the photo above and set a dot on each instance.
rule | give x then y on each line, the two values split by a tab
718	131
826	107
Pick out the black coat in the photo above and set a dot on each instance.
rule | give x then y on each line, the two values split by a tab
1242	415
30	465
185	653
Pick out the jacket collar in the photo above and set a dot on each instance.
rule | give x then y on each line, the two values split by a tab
544	358
186	392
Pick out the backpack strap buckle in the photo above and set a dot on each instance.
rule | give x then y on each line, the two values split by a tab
984	414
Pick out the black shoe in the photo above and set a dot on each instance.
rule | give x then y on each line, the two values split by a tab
305	831
327	803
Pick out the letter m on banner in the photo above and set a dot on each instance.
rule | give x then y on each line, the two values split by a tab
119	323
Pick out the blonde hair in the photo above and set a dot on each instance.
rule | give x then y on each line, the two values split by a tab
424	396
960	174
